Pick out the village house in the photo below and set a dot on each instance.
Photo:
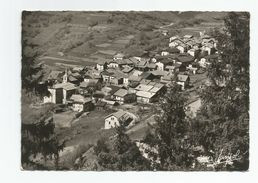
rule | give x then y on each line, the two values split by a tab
135	60
151	66
188	36
80	103
109	90
166	79
193	52
203	63
55	96
209	48
119	56
183	81
145	81
142	65
123	96
162	63
158	74
185	59
191	68
119	95
145	97
125	62
60	92
143	87
171	39
134	79
100	105
116	119
55	76
182	48
127	69
113	64
101	65
169	51
164	53
147	75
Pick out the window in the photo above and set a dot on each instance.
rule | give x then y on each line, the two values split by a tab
112	118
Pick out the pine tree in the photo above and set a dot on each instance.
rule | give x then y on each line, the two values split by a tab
123	155
39	138
224	117
171	132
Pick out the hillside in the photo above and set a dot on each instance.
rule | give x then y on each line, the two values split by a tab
85	35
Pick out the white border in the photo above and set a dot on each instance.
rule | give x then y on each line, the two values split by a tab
10	90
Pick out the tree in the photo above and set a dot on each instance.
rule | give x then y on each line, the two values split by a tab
123	155
171	132
31	74
224	117
39	138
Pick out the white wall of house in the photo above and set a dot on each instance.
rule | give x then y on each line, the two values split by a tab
182	84
191	52
173	44
106	78
125	81
160	66
111	122
143	100
51	98
78	107
203	62
100	67
119	99
113	65
164	53
181	48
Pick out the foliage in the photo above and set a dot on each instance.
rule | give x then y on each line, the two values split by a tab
224	119
170	135
123	155
39	138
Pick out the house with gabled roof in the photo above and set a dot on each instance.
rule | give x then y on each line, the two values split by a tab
119	56
119	95
59	93
55	76
145	97
117	118
183	80
80	103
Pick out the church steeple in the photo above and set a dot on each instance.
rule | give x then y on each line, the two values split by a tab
65	77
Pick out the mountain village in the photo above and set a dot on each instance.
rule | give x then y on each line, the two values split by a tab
120	81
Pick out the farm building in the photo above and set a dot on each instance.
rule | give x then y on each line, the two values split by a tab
116	119
79	103
183	80
100	105
145	97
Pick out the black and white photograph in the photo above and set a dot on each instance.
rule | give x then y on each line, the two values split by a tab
129	91
135	91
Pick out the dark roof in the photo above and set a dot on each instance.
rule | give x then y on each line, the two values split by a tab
146	75
55	75
127	69
213	56
182	77
107	73
101	104
65	86
173	50
185	58
113	89
121	92
79	98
